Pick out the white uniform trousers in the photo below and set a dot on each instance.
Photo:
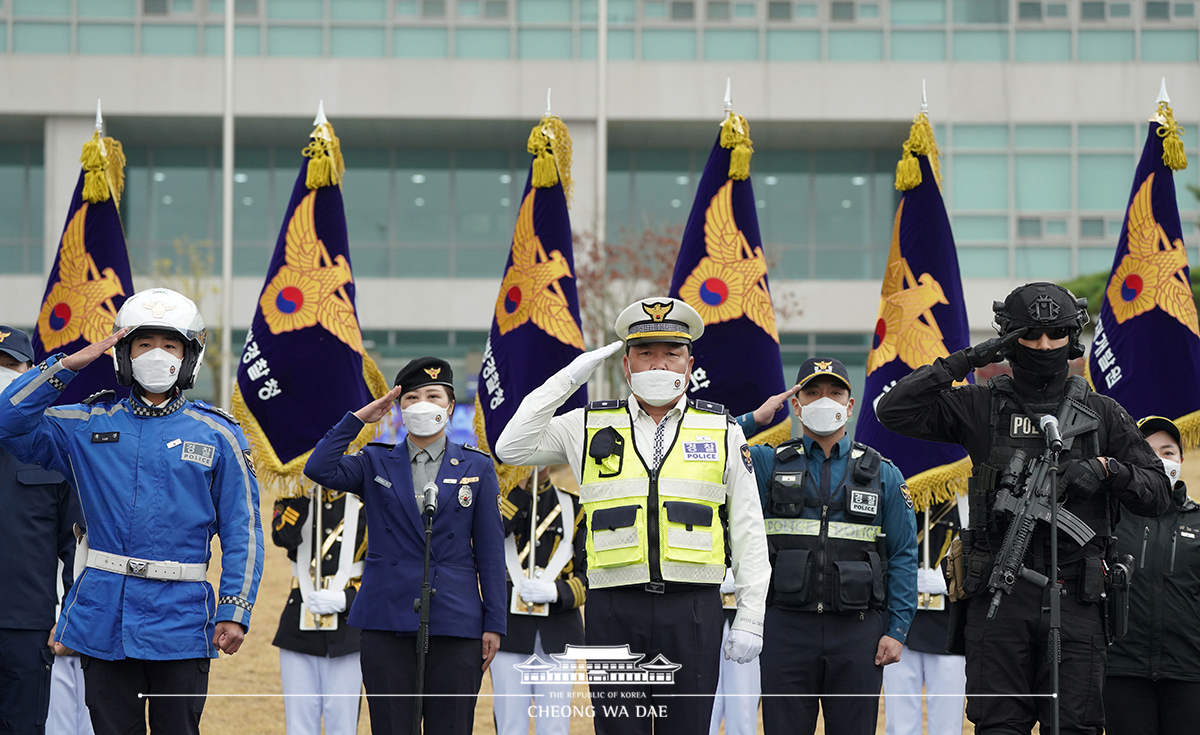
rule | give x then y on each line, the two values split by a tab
319	677
940	674
513	700
68	714
738	691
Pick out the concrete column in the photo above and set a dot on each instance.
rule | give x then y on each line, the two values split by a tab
583	171
64	141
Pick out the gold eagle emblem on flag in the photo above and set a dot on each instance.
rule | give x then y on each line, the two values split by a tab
730	281
1152	272
530	290
80	302
906	327
309	289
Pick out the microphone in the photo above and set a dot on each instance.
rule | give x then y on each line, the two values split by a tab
1049	425
430	498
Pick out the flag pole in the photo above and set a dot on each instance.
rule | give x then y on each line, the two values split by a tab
601	120
226	394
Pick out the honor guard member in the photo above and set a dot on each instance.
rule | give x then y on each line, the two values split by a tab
925	663
738	686
39	512
667	497
1153	682
318	650
157	475
543	613
1039	326
466	566
843	545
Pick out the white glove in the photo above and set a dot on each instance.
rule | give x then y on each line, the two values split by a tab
931	581
727	586
581	367
327	602
538	590
742	646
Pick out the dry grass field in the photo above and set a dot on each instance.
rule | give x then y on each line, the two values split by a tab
253	673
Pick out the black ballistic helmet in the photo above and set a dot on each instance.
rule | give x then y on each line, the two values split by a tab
1043	306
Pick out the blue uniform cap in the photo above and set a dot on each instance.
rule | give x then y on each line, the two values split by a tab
16	343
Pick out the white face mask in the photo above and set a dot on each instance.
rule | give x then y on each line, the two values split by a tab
424	418
658	387
7	375
157	370
824	416
1172	469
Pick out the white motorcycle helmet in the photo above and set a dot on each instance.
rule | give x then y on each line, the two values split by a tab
160	310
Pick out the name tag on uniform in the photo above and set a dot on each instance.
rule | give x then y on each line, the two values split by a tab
864	503
1023	427
701	450
1187	534
382	481
199	453
105	437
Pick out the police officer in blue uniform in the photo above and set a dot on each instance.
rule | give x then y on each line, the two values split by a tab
843	544
466	568
157	475
40	510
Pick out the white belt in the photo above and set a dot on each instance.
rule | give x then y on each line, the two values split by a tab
167	571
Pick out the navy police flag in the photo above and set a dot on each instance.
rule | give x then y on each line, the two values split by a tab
922	317
304	353
90	278
535	325
1146	349
722	274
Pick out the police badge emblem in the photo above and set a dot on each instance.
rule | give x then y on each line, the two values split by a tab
746	460
464	496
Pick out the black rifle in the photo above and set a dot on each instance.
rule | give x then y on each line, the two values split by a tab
421	606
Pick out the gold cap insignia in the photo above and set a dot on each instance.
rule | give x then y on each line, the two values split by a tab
5	335
658	312
158	309
822	366
433	372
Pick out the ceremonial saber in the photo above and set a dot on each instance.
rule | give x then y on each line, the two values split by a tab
533	520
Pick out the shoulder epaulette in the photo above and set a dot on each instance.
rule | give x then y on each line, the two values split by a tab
218	411
572	491
476	449
103	395
603	405
707	406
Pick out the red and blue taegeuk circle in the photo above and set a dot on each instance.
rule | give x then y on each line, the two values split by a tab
1131	287
713	291
290	300
512	300
880	333
60	316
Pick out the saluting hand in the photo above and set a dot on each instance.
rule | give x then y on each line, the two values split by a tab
378	408
764	413
81	359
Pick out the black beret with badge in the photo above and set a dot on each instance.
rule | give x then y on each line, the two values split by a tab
16	343
424	371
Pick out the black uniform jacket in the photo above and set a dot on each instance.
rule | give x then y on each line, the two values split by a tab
927	405
564	624
39	512
1163	641
928	630
290	516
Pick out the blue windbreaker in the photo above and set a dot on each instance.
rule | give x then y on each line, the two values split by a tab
154	484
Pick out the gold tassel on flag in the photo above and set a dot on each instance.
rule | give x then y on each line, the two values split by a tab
325	163
920	143
103	161
550	142
735	134
507	475
1173	156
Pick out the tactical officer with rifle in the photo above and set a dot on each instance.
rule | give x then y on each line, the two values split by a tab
1004	612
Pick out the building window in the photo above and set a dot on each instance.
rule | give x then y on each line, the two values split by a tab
683	10
1029	11
1091	11
841	11
781	10
718	10
1158	11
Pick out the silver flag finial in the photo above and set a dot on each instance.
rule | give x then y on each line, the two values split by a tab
924	99
99	117
547	102
321	119
728	94
1162	93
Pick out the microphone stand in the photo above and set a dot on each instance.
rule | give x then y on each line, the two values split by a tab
1054	444
421	606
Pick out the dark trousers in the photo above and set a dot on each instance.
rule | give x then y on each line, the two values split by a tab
1007	656
683	627
452	667
111	690
1137	706
806	654
25	662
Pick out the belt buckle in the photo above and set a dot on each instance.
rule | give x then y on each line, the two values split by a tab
657	588
136	568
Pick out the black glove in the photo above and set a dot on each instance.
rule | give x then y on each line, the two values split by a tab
1082	478
985	353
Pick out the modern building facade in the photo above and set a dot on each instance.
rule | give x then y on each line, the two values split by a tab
1039	108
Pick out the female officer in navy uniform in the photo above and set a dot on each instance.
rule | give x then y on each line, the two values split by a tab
466	567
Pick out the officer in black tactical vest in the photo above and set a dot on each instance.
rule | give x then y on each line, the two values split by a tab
1039	326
